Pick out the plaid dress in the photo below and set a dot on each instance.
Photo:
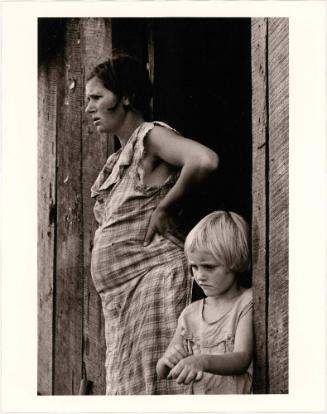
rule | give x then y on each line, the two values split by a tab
143	289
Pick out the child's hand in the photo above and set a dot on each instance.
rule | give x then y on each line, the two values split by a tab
170	358
173	355
187	370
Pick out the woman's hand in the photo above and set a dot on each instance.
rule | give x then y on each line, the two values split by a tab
187	370
170	358
161	222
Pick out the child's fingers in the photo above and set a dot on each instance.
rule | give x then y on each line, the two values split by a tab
181	351
182	376
172	358
174	355
174	373
199	376
167	362
190	377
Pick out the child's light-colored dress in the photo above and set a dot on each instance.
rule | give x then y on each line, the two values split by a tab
143	289
201	337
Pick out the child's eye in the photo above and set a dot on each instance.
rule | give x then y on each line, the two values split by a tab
209	267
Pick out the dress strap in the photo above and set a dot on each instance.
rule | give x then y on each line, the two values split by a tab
145	128
139	152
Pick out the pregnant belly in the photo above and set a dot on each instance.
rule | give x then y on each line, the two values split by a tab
115	263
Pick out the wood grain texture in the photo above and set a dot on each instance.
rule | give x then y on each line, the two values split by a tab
278	205
259	191
96	47
69	269
47	97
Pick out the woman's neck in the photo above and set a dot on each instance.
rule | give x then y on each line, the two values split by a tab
132	121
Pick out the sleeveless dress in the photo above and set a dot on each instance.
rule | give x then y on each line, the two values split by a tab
143	289
216	337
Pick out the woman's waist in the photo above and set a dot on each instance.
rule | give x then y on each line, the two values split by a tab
115	233
129	248
112	234
105	238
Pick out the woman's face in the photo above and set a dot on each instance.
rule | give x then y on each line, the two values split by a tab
107	111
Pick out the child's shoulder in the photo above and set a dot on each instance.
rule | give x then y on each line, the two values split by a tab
189	318
192	308
245	302
247	295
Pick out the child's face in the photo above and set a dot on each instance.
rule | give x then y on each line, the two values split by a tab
213	278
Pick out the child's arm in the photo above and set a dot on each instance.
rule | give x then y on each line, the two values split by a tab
232	363
174	353
196	162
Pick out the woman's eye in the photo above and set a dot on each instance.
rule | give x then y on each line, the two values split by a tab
93	97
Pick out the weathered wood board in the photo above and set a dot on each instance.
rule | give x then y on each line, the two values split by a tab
270	202
259	201
47	98
278	205
68	313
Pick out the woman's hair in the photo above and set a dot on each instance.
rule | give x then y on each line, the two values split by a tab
226	236
126	76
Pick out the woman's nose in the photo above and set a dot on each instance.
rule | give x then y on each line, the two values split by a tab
89	108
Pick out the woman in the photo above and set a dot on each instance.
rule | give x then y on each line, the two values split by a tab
138	265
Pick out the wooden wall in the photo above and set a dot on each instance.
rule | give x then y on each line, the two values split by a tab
70	325
70	154
270	202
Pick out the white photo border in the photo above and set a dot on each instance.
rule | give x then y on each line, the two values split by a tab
307	207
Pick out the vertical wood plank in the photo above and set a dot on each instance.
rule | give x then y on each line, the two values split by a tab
69	258
96	47
259	191
278	205
47	97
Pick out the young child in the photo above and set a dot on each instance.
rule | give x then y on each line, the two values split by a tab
213	343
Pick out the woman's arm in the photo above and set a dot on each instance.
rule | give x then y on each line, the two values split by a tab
197	162
233	363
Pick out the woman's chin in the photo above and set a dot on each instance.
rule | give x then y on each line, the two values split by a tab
102	130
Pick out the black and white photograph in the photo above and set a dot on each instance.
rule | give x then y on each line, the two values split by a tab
163	230
147	127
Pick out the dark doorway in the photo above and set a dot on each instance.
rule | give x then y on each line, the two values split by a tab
202	82
202	87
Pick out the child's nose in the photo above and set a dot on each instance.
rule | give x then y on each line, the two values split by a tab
200	275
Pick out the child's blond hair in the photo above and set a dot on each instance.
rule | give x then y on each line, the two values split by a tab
226	236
